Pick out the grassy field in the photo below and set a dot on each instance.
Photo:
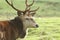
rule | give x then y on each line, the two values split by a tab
49	29
48	18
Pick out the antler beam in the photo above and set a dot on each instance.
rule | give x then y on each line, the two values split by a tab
11	4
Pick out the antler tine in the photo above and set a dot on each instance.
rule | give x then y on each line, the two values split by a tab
11	4
29	4
34	10
26	3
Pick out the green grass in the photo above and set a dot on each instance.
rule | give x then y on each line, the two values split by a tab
49	29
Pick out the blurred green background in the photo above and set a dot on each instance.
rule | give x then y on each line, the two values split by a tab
48	18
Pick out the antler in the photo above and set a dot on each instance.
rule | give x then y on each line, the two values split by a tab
34	10
11	4
28	6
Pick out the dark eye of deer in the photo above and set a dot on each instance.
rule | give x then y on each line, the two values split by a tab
31	19
27	18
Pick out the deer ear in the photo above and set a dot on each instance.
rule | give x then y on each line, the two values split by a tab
19	13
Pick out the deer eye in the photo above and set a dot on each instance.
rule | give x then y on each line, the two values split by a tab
27	18
31	19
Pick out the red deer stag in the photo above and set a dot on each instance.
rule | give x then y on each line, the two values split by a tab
16	28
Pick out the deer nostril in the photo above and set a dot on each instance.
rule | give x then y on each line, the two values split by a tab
37	26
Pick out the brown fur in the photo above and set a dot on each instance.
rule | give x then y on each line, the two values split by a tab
12	29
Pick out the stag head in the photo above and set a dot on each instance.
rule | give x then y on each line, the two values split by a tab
26	15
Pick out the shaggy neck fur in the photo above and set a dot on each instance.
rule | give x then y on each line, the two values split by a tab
18	23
